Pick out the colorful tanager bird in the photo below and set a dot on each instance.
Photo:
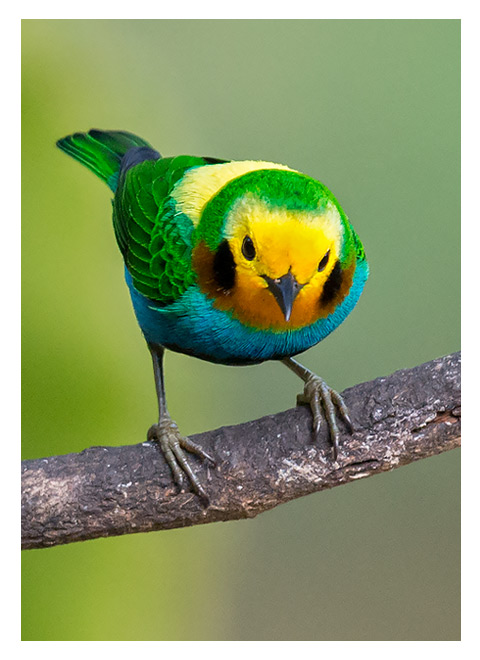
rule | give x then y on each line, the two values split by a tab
235	262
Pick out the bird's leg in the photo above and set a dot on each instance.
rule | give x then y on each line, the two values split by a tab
316	393
167	435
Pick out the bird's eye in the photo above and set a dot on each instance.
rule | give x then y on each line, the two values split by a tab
324	261
248	248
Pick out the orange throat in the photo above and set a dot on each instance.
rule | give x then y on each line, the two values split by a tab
251	302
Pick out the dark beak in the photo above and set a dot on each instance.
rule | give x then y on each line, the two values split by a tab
285	289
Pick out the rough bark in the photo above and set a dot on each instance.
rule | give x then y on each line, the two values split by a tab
108	491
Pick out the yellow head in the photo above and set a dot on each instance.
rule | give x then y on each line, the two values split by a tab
274	263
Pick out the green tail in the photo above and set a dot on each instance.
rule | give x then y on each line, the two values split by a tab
101	151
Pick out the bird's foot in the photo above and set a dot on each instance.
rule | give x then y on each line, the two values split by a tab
316	394
173	446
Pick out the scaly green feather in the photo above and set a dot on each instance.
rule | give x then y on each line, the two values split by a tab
153	237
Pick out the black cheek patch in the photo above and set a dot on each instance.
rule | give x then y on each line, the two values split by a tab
332	285
224	267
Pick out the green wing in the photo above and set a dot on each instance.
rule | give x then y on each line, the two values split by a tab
155	240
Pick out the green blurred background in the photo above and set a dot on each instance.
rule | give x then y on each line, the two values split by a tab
369	107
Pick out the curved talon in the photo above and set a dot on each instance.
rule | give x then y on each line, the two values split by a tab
318	394
342	406
195	448
172	444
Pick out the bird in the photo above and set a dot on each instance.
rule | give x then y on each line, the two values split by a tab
231	261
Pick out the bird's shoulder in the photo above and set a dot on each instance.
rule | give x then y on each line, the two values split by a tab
154	238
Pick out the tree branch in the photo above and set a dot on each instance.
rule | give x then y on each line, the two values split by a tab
108	491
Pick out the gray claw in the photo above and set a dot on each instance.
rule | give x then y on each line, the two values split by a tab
317	392
172	444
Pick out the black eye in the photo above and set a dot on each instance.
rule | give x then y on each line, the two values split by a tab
248	248
324	261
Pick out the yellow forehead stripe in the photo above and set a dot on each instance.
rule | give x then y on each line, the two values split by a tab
197	186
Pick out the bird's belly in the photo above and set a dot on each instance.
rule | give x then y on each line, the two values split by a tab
192	325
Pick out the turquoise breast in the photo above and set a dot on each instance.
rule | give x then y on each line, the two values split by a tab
192	325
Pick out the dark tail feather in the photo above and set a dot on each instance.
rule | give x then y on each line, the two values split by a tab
103	152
